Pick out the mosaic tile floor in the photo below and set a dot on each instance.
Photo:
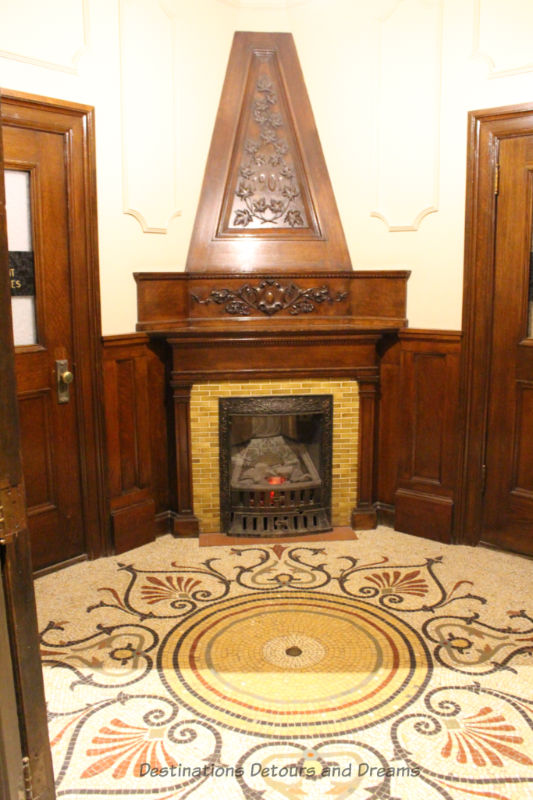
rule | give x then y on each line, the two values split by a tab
385	667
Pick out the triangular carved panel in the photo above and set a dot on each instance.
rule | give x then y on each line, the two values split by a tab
267	189
266	202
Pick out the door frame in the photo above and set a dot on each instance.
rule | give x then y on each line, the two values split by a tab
23	724
486	128
10	739
76	123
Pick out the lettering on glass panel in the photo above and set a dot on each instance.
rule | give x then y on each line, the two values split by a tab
21	260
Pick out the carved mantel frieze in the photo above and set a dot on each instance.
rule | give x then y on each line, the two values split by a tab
338	301
269	297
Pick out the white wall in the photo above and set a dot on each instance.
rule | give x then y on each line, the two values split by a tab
390	83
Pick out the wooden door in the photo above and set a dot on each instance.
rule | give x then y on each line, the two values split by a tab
35	170
23	723
54	282
508	498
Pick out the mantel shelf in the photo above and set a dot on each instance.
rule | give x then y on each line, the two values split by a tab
295	302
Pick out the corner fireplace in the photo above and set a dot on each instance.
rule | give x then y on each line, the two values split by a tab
275	464
271	300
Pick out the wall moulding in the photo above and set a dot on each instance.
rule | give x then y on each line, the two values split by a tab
261	4
45	46
502	36
149	167
410	91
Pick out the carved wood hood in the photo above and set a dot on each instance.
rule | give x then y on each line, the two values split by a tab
266	202
268	250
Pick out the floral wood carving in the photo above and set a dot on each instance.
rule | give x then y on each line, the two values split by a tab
270	297
267	188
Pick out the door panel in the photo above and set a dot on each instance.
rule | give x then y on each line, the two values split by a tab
508	503
49	429
36	438
523	455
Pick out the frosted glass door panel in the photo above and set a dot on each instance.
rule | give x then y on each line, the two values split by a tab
21	264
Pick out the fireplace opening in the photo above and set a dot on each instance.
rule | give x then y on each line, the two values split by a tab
275	464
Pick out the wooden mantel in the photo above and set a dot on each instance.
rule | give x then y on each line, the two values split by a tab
336	301
268	289
238	327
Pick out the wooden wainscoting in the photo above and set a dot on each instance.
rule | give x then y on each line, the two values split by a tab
418	432
136	436
416	465
388	444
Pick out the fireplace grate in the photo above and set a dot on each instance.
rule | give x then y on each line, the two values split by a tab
276	465
275	524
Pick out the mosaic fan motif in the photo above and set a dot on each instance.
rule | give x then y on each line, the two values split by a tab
289	671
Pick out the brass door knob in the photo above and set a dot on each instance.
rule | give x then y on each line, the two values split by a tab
67	377
64	378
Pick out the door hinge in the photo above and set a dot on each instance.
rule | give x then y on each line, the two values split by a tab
27	791
12	513
496	178
483	478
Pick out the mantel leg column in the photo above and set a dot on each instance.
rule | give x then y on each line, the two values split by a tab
364	515
185	523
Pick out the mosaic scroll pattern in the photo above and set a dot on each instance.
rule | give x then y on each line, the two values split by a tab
290	671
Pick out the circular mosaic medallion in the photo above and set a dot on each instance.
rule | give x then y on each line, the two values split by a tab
294	664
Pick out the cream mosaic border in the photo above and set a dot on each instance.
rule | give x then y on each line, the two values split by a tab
205	450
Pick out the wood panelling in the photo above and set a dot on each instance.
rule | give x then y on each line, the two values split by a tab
185	523
136	431
523	453
36	443
364	516
410	467
418	431
388	427
427	430
424	514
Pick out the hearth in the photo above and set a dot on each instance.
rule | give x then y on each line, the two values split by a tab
275	464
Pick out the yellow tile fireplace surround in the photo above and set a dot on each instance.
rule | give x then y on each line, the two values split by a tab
205	440
207	366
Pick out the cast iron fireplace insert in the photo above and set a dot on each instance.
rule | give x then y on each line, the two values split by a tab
275	464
